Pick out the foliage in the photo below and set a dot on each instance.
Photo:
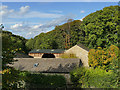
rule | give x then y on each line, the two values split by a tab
68	55
43	81
101	27
105	58
16	41
93	78
56	38
98	29
103	71
10	76
11	79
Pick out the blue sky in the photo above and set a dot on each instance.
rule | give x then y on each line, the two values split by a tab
29	19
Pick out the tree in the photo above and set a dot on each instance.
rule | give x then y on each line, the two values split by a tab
10	76
101	27
30	44
59	37
106	59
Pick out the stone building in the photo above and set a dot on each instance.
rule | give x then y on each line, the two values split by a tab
81	52
46	53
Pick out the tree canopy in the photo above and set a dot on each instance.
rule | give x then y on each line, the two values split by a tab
17	41
56	39
101	27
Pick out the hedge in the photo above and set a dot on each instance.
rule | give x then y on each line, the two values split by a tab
93	78
43	81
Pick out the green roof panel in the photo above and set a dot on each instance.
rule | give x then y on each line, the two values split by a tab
47	51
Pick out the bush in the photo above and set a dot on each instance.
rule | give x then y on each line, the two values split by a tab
67	55
107	59
77	76
43	81
93	78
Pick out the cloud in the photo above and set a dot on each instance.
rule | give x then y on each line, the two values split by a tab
25	30
82	11
24	9
56	11
3	7
30	31
4	11
57	21
16	26
37	26
24	12
41	15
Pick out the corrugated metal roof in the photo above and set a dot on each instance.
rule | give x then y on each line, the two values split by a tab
47	51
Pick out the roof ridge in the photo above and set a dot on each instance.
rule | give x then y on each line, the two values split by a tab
83	46
47	51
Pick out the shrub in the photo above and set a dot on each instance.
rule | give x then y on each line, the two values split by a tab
78	76
107	59
95	78
43	81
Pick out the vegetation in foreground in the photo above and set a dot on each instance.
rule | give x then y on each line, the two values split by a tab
43	81
103	71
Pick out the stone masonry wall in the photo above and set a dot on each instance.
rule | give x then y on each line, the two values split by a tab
80	53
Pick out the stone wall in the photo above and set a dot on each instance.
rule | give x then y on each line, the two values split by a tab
36	55
80	53
46	64
39	55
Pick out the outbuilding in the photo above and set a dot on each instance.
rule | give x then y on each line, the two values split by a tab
46	53
81	52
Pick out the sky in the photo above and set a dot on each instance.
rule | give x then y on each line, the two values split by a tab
29	19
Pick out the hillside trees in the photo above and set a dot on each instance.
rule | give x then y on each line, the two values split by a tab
98	29
55	39
101	27
30	44
10	76
16	41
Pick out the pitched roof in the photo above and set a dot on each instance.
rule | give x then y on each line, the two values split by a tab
50	65
82	46
47	51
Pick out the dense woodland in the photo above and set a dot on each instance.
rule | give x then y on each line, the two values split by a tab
18	42
99	31
56	38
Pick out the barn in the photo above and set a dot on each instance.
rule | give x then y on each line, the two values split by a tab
81	52
46	53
